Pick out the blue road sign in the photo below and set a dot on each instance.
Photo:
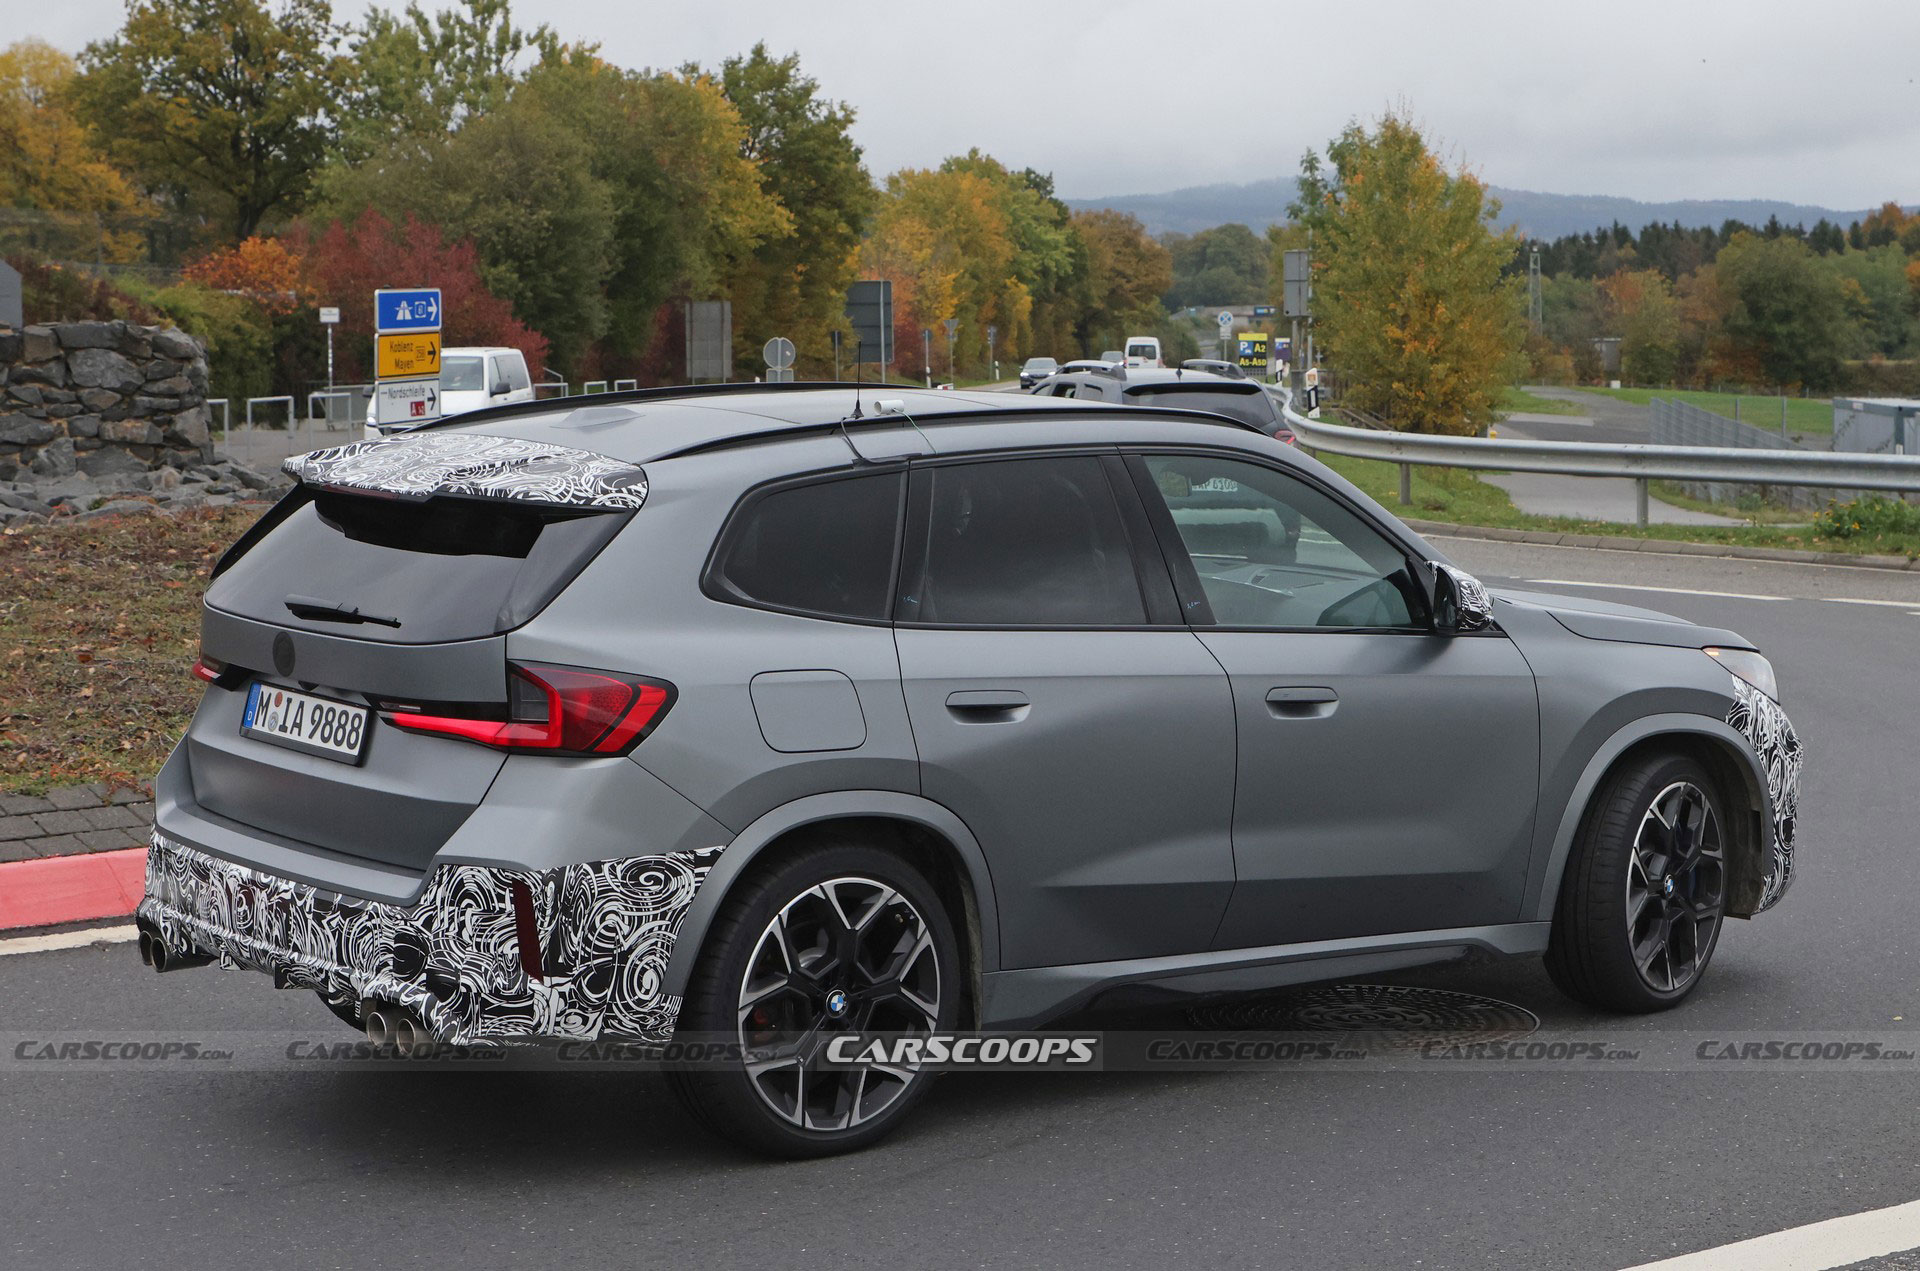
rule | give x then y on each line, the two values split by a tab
1263	311
415	309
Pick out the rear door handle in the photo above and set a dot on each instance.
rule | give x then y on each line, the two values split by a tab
1301	701
988	705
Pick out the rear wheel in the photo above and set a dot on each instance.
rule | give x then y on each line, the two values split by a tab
1645	890
836	941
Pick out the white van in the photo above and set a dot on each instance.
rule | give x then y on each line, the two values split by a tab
1143	350
469	379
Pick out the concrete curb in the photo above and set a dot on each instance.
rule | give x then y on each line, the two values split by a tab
80	888
1661	546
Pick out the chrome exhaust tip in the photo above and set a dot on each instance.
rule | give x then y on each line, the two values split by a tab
146	949
379	1023
407	1035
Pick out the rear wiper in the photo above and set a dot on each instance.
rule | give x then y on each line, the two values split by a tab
314	610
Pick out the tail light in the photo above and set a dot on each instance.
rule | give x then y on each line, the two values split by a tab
209	669
558	710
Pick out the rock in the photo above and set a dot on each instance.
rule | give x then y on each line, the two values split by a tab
83	426
164	479
103	368
249	478
218	501
21	502
123	507
43	372
56	459
10	342
175	343
110	461
25	430
38	344
174	386
86	443
60	396
25	394
99	398
68	489
131	432
90	335
193	425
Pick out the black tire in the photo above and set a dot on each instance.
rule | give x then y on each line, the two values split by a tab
756	1111
1632	881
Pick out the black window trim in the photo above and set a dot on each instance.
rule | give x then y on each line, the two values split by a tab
1186	579
713	583
1133	523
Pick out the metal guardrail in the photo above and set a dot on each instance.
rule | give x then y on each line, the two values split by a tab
271	401
1641	464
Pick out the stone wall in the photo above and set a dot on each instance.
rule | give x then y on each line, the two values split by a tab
102	398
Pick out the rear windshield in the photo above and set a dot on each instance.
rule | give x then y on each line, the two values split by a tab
1247	403
409	573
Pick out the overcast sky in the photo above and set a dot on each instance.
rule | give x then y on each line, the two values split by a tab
1679	99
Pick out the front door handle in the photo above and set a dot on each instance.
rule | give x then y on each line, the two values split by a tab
988	705
1301	701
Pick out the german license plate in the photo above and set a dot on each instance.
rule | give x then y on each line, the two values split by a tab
301	721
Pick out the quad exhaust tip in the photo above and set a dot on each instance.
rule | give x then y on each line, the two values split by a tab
155	952
394	1026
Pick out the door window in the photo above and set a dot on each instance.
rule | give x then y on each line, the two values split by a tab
826	548
1271	551
1022	543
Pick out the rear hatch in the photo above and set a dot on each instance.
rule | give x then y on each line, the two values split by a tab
376	587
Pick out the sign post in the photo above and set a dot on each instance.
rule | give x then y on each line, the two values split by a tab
406	324
1225	320
329	318
953	327
993	363
926	352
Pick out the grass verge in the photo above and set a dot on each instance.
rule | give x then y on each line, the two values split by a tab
1459	497
100	624
1513	398
1804	414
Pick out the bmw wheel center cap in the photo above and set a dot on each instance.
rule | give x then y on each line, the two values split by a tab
837	1003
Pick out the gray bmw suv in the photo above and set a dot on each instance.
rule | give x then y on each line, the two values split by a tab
780	713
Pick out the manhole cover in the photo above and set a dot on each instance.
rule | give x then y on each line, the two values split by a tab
1386	1015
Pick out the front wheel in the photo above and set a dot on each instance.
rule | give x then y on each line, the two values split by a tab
1645	889
837	941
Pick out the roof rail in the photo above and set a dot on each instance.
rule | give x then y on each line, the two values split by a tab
664	393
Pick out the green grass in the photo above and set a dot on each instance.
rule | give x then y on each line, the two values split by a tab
1804	414
1519	399
1459	497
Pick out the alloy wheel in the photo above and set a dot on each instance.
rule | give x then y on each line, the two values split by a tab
1676	887
850	955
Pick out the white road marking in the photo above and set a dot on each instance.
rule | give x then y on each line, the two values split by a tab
1837	1242
1676	591
68	940
1891	604
1824	566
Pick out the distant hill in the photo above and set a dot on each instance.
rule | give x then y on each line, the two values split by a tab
1260	203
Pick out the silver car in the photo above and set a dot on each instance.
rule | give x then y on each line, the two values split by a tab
776	714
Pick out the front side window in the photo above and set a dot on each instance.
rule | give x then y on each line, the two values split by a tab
1022	543
462	375
1272	551
825	548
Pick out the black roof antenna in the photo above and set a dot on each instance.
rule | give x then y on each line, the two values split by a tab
859	350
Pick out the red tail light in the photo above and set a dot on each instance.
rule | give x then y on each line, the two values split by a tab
209	669
559	710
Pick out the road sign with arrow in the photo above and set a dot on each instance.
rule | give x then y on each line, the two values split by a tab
407	356
412	309
401	402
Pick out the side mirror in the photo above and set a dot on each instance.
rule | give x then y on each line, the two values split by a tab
1460	601
499	390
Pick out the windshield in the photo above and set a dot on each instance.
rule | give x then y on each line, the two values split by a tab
1247	403
461	375
1041	364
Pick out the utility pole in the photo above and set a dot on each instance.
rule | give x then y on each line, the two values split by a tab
836	356
1533	289
926	352
953	326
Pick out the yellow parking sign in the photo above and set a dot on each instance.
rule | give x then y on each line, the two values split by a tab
406	356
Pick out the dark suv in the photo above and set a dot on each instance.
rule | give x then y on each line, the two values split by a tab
779	714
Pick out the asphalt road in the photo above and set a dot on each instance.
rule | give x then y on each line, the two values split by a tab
1458	1167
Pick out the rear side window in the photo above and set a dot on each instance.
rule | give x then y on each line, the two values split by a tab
1247	403
410	573
516	368
825	548
1021	543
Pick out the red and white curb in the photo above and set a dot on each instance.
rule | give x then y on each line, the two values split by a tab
86	887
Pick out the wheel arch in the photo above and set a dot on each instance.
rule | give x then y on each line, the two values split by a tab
1727	755
924	832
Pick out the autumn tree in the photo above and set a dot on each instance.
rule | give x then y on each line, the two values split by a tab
1409	296
264	270
795	283
1127	272
420	76
1646	316
223	107
1225	265
49	164
1782	311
